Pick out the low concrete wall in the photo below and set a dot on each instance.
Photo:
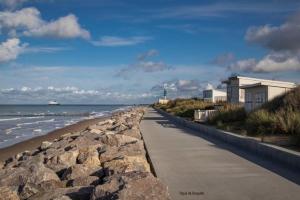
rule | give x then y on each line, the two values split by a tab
276	153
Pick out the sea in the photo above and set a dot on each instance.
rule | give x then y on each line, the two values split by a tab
22	122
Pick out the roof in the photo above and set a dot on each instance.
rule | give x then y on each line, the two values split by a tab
270	82
215	90
273	84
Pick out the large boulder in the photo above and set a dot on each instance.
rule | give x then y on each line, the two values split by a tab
126	164
74	193
63	160
80	170
133	186
45	145
89	156
7	194
117	140
132	132
84	181
1	165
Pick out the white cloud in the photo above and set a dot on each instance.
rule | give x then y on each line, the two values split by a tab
10	49
273	62
283	43
26	18
283	37
112	41
64	27
28	22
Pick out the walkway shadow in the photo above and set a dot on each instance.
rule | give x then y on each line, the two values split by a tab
280	169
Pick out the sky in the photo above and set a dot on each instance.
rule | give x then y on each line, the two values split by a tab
127	51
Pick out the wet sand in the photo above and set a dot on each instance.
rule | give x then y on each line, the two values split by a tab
35	142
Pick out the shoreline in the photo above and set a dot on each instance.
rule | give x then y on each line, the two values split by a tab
35	142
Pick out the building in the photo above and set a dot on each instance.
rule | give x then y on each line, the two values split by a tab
235	92
164	100
264	91
213	95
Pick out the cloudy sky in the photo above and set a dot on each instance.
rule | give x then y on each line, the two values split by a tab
125	51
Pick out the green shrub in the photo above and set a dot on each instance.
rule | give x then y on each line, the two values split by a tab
261	122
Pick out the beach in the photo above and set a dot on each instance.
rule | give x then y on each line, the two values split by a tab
35	142
93	159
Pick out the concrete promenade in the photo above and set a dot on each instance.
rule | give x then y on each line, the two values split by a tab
197	167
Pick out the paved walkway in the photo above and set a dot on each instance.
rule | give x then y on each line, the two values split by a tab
198	168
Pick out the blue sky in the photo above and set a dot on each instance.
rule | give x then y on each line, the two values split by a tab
108	51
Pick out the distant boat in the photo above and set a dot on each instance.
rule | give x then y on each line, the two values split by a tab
53	103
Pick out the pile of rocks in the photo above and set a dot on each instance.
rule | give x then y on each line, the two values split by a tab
106	161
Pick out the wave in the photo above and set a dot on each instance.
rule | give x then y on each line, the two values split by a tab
34	115
36	122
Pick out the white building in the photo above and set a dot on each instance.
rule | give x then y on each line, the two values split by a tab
264	91
163	101
235	92
213	95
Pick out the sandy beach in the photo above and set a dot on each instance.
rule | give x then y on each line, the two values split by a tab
35	142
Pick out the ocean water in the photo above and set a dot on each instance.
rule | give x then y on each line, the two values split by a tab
22	122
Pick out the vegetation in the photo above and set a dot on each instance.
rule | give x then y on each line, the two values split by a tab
184	107
281	116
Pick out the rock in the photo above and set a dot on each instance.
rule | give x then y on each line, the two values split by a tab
28	190
12	177
99	128
117	140
51	184
80	170
119	128
40	174
131	149
84	181
133	185
126	164
1	165
11	162
7	194
109	154
64	160
109	132
105	122
89	156
133	132
74	193
63	197
45	145
97	131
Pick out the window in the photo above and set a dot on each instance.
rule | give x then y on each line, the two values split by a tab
207	94
260	98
